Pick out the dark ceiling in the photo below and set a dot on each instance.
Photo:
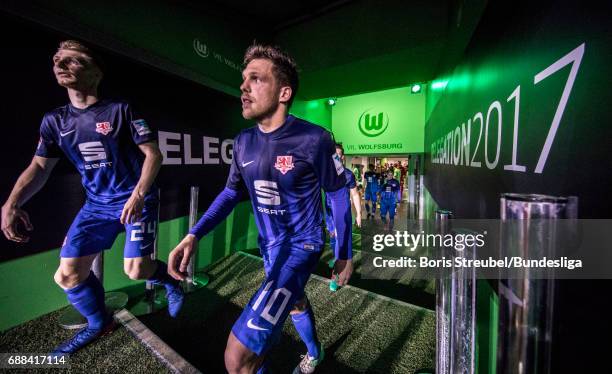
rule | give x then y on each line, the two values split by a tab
348	47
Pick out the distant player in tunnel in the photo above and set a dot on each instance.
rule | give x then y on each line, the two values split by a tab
389	199
351	184
371	191
281	164
116	153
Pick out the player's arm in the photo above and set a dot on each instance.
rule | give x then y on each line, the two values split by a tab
132	210
29	183
330	172
221	207
341	213
357	204
354	196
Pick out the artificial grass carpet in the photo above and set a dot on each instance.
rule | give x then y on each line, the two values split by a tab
361	332
118	352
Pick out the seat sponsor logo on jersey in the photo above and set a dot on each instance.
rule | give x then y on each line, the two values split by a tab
267	192
284	164
92	151
104	127
141	127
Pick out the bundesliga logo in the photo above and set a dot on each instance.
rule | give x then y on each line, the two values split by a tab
284	164
104	127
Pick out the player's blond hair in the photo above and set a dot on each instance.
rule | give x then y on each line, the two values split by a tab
75	45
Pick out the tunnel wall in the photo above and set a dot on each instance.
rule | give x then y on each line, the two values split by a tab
526	111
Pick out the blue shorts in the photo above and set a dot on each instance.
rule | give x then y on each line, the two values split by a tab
370	194
387	206
287	271
95	229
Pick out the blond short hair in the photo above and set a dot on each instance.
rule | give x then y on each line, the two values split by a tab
75	45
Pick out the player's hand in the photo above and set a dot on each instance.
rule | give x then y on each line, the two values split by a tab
358	220
11	217
178	260
132	210
343	269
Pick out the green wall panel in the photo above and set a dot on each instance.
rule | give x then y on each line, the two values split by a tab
383	122
315	111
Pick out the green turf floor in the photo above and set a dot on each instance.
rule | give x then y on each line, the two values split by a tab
118	352
362	332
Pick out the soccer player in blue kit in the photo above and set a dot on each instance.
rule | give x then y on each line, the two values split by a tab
351	184
116	154
388	199
281	164
372	185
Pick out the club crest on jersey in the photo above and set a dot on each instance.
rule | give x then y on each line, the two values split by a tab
104	127
284	164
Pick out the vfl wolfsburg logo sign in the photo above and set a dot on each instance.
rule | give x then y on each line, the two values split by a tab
372	123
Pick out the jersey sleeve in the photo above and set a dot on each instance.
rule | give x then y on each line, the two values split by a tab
327	165
47	145
234	179
350	180
140	129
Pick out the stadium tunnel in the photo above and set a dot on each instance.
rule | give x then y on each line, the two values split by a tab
474	99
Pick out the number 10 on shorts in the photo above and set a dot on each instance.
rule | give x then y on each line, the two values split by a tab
265	314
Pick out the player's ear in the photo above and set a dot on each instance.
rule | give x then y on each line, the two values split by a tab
285	94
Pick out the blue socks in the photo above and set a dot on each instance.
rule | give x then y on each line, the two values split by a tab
161	277
304	323
88	299
174	292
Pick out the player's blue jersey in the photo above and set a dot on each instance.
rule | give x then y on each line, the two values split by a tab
284	171
371	180
389	190
351	183
102	143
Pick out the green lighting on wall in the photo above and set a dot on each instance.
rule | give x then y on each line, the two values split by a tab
439	85
314	104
